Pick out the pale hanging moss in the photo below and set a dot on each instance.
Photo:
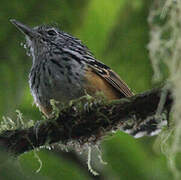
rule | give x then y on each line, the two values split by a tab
165	48
39	161
19	123
89	162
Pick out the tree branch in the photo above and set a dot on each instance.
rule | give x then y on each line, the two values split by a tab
89	122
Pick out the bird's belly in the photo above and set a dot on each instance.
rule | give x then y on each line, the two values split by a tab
60	88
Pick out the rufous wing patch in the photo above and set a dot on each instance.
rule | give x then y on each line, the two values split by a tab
96	82
108	82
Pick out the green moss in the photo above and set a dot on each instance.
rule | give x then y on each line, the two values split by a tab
18	123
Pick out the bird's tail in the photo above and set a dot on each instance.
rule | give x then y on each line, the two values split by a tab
149	127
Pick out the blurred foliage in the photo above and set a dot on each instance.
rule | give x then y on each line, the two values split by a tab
117	33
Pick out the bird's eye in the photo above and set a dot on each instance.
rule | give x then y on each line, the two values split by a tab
51	32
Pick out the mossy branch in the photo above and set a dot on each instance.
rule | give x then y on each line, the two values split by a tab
82	123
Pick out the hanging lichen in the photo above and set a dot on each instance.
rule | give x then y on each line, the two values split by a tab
165	54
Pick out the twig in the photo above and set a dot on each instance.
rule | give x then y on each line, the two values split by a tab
85	124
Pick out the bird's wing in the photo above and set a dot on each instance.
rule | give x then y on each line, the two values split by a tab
111	77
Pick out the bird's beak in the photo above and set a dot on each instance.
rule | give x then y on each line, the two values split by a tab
31	33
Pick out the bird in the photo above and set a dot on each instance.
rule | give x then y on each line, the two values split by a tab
64	69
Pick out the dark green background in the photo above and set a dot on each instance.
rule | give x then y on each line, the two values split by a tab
117	33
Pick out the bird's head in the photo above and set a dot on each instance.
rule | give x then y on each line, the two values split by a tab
42	39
